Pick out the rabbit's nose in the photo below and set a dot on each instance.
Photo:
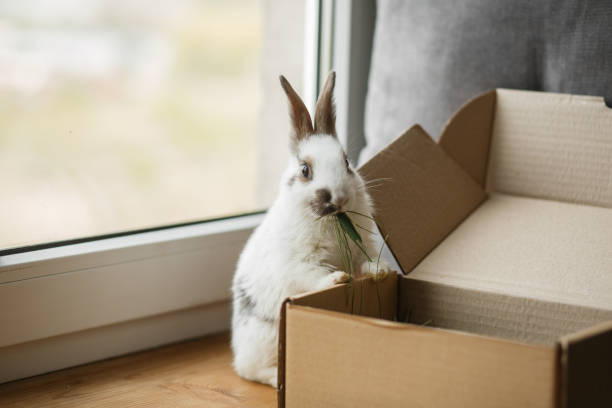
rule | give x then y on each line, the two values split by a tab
340	201
323	195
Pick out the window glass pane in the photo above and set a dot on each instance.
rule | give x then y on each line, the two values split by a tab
125	114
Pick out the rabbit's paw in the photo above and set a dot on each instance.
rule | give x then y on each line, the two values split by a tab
334	278
376	272
340	277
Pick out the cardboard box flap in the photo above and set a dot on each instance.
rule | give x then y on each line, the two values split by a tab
586	368
422	197
553	146
467	134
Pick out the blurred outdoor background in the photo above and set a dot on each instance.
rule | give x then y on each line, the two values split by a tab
124	114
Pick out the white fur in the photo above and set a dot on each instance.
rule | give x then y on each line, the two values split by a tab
293	251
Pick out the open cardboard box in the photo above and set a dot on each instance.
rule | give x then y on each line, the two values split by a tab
504	229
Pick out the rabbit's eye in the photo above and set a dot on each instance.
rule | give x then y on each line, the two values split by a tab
305	171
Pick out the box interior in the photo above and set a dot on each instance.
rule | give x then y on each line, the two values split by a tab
538	270
505	227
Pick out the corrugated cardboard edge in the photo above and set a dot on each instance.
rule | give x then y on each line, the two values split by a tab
282	330
585	369
467	135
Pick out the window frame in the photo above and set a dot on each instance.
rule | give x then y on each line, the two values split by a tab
114	293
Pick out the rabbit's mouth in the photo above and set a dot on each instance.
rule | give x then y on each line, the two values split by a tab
325	209
323	205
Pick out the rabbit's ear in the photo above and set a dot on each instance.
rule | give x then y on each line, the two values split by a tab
300	118
325	112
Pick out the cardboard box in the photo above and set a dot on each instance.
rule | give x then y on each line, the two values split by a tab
504	229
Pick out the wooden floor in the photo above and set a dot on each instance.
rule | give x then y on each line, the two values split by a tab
191	374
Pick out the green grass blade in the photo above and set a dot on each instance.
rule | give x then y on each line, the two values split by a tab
348	227
363	215
350	230
365	229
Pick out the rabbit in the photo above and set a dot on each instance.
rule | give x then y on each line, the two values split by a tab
295	250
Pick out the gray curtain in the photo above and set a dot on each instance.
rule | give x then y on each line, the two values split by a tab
429	57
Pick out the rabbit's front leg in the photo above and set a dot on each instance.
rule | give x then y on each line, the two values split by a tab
377	270
317	277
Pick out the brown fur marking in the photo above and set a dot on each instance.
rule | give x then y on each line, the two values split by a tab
308	161
300	118
325	112
321	204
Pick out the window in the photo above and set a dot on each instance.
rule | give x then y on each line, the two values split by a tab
146	288
124	115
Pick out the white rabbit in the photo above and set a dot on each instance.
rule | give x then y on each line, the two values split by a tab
295	249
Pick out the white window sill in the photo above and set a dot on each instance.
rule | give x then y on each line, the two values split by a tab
66	290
